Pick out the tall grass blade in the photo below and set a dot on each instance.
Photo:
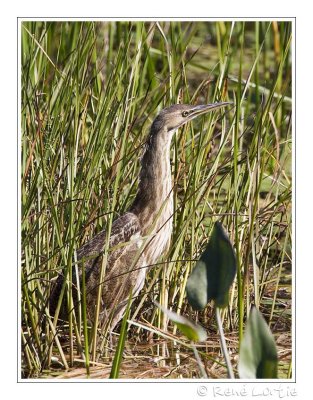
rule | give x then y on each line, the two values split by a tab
121	342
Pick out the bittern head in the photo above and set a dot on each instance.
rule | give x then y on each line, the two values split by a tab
173	117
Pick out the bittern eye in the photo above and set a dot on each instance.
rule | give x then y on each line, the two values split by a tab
185	113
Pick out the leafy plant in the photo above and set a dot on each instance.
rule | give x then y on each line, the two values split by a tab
211	279
192	331
258	353
214	272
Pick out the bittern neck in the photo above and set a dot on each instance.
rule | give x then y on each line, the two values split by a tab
154	200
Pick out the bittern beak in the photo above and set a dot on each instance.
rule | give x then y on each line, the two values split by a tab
188	113
202	109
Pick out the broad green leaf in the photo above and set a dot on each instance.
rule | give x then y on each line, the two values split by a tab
192	331
214	272
258	353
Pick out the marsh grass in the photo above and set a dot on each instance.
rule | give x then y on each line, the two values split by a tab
90	91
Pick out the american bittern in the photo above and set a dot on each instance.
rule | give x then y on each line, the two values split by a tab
140	236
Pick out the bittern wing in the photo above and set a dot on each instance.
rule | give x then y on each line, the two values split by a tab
123	246
123	229
124	267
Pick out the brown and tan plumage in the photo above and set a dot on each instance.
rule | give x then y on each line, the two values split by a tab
140	236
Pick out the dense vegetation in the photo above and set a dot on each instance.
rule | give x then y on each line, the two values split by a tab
90	91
